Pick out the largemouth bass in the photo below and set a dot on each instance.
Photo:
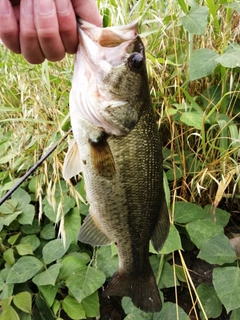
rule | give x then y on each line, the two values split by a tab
117	148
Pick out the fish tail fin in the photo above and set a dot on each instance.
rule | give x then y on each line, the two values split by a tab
142	288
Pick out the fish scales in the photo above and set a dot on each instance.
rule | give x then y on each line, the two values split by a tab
118	149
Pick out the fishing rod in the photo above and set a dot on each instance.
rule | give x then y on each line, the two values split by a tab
33	168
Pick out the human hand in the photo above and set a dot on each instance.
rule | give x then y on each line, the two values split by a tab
40	29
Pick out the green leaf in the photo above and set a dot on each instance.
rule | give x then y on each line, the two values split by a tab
186	212
69	265
173	241
226	282
202	63
27	215
8	256
235	315
192	119
169	312
217	250
73	308
220	217
8	207
24	269
9	313
53	250
105	261
42	312
231	57
72	225
32	240
133	311
31	228
196	20
91	305
85	282
201	230
47	277
210	301
167	277
24	249
7	291
23	301
49	293
22	197
8	219
13	238
48	232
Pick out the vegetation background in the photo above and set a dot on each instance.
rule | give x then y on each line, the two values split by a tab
193	60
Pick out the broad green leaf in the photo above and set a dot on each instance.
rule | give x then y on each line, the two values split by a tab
47	277
226	282
202	63
105	261
173	241
217	250
167	277
23	301
192	119
8	256
70	264
91	305
73	308
1	283
48	232
24	249
13	238
24	269
210	301
169	312
27	215
67	203
219	216
234	6
8	219
195	21
235	315
85	282
22	197
8	206
72	225
56	306
49	293
53	250
231	57
133	311
133	316
201	230
42	311
7	291
31	228
186	212
9	313
32	240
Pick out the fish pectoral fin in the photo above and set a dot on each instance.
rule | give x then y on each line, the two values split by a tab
91	232
72	162
161	229
101	157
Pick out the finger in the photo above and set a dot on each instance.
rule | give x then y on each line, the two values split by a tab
46	24
67	25
9	27
88	10
29	43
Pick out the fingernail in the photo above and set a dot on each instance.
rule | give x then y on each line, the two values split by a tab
45	7
62	6
27	7
4	7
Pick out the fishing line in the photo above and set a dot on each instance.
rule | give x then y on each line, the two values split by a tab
33	168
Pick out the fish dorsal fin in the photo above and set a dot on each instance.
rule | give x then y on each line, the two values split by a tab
72	163
101	157
91	232
161	230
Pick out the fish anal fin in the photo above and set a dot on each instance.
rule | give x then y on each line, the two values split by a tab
72	162
141	287
161	229
91	232
101	157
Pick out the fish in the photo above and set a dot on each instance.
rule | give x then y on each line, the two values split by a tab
117	148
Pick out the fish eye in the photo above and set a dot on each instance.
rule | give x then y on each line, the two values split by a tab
135	61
